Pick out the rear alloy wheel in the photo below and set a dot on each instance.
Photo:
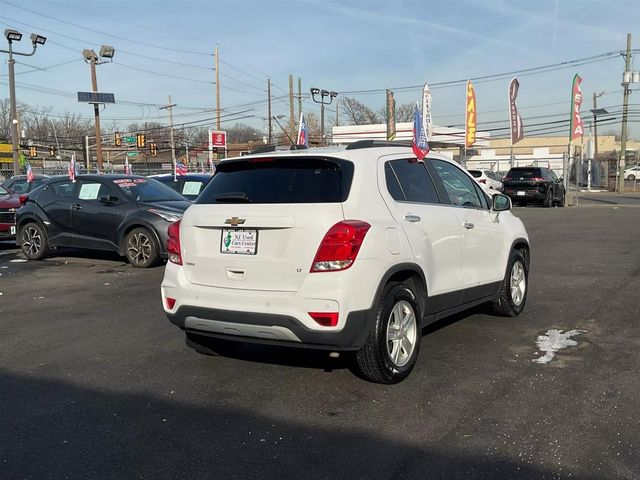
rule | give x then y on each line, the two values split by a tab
548	199
141	248
631	177
514	288
391	349
33	241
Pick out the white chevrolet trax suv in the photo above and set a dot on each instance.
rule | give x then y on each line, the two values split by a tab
351	248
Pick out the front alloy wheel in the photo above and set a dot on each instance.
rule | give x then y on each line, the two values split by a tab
141	248
518	283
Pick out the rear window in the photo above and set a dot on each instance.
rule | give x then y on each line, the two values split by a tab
146	190
524	173
279	180
475	173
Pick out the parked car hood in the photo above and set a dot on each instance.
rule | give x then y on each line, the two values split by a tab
10	200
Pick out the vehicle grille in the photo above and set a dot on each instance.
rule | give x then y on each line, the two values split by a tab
7	217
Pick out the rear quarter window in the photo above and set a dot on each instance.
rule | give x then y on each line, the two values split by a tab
279	180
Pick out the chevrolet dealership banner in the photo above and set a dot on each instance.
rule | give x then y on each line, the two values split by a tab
427	121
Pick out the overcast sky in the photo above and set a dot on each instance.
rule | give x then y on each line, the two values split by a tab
344	46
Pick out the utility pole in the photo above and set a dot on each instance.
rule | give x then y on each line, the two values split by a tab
337	116
96	112
173	145
625	109
291	112
217	55
15	36
269	135
299	97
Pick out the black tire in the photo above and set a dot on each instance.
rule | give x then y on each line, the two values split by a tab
631	177
141	248
375	359
210	346
33	241
548	199
561	201
506	305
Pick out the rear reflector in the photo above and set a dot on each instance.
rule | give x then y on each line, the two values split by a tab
340	246
170	302
173	243
326	319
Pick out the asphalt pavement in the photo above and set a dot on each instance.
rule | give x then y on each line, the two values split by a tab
95	383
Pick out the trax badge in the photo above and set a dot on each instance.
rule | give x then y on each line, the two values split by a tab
234	221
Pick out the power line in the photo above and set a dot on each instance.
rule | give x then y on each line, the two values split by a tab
162	47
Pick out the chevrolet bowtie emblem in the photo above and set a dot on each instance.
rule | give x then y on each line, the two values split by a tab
234	221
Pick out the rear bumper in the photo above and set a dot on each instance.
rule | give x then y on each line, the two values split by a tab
529	194
271	329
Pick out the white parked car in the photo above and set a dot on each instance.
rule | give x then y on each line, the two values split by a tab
488	179
350	249
632	173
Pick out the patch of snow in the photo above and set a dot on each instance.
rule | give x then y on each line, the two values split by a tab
553	341
18	260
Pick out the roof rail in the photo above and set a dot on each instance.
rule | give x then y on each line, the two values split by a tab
263	149
377	143
299	147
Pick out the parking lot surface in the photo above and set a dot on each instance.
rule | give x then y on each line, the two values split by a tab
96	383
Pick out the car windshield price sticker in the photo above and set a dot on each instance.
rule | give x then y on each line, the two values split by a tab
240	242
191	188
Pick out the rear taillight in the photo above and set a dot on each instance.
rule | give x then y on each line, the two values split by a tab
23	199
173	243
326	319
537	179
170	303
340	246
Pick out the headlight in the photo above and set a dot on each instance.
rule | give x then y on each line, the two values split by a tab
168	216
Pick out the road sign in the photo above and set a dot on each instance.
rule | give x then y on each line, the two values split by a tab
130	139
132	154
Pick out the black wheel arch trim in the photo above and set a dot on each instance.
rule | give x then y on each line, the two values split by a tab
125	229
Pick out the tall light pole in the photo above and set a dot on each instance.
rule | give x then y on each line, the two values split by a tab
15	36
169	107
323	94
92	59
626	81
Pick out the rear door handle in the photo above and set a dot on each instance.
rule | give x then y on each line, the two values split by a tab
468	225
77	207
410	217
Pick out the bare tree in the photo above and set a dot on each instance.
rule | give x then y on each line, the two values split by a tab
241	133
357	112
404	113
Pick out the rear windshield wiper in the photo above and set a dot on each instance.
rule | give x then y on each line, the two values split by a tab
234	197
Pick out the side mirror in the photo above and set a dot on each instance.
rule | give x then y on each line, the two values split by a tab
108	199
500	203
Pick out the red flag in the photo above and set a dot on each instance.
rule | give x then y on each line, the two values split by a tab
577	128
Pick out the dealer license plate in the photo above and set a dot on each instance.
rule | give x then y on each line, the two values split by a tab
12	230
239	242
521	194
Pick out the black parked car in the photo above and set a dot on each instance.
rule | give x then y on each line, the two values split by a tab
537	184
19	183
189	185
127	214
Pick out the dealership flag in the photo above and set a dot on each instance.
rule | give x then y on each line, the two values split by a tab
303	132
72	169
127	167
517	131
181	169
577	128
426	110
30	176
420	144
470	117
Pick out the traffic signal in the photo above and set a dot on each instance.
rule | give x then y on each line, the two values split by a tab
140	142
33	152
117	139
153	148
51	152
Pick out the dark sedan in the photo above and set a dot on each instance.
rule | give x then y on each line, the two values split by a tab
189	185
20	184
127	214
534	184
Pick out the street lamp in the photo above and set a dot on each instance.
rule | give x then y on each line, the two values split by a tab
15	36
323	94
93	59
